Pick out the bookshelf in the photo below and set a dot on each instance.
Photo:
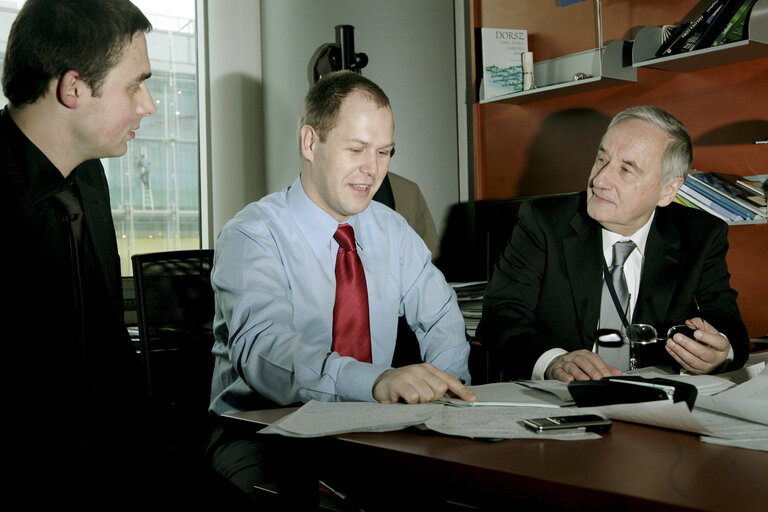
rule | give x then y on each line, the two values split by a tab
544	143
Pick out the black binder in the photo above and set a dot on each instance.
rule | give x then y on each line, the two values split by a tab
630	389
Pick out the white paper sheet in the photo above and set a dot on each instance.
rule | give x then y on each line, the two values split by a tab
661	413
730	427
748	400
507	394
501	423
316	419
706	385
749	444
675	415
555	387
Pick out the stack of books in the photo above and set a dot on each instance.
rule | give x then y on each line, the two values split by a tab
735	199
470	297
719	22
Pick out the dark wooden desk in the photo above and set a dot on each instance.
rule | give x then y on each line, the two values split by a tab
631	468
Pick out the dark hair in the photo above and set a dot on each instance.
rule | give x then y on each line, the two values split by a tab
323	101
677	157
50	37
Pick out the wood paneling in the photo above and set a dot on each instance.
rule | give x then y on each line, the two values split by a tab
548	146
748	264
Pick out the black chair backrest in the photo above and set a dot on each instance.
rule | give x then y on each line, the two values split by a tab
494	222
175	308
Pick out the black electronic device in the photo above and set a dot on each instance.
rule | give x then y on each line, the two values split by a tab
589	422
681	329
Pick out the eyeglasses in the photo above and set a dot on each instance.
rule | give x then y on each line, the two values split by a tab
643	340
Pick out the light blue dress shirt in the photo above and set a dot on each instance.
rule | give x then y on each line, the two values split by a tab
275	287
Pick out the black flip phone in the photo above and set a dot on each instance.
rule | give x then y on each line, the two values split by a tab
590	422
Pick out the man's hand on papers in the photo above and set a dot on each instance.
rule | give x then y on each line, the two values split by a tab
580	365
418	383
705	354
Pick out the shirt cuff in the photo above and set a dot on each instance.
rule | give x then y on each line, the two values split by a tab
543	362
355	381
727	359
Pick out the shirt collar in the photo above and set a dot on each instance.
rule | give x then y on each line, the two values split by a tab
317	226
639	237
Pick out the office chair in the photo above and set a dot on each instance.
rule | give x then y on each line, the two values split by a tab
175	307
494	221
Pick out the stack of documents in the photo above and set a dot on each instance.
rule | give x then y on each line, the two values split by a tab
495	415
520	393
737	416
748	401
470	297
731	409
316	419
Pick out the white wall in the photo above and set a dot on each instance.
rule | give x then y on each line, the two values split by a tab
231	111
411	49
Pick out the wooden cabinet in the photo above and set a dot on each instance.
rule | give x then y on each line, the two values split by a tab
546	144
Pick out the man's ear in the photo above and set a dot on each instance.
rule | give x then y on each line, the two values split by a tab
308	142
70	89
669	190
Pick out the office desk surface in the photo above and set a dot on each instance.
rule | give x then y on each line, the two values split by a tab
631	468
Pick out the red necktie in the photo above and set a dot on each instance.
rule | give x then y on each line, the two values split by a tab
351	327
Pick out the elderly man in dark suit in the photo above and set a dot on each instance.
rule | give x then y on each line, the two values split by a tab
560	279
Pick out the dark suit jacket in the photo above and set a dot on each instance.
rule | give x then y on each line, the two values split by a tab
55	404
545	290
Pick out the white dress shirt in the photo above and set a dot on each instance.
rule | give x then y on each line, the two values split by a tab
633	269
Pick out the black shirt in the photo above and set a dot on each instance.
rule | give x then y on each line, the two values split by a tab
72	386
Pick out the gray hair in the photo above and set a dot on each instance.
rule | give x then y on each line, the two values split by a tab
677	157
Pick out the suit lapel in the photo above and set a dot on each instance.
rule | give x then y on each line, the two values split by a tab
662	269
582	259
98	221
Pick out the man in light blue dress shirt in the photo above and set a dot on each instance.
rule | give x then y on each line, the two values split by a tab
275	284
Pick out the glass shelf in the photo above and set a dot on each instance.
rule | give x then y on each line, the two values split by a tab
648	41
555	77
